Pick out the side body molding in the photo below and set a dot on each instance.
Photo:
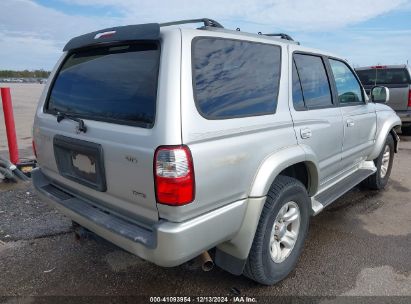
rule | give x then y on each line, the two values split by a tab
232	255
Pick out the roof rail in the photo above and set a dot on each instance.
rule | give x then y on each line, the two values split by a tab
281	35
206	21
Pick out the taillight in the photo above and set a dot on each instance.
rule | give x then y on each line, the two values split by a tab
174	175
34	148
409	98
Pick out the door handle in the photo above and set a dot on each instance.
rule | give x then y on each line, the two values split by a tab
305	133
350	123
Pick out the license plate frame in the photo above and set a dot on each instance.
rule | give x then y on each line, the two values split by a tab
80	161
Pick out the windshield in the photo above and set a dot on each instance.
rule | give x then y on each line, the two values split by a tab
114	84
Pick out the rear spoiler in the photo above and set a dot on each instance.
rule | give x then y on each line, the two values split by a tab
149	31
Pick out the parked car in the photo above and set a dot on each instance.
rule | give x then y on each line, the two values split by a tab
398	79
170	141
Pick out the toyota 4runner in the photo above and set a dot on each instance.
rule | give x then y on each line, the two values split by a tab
170	141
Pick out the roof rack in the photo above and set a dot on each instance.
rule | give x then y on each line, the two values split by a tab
281	35
206	21
214	24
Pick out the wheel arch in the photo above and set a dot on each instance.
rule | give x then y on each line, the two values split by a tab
394	135
387	123
289	161
232	255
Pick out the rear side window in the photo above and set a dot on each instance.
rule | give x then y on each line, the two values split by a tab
348	88
384	76
115	84
235	78
314	81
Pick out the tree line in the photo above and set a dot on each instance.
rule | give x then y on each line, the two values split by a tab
24	74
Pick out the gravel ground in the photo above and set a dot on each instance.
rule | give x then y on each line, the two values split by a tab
24	217
359	246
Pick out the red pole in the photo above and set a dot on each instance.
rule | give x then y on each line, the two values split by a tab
10	127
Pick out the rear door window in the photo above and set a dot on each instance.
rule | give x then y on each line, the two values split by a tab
234	78
388	76
314	81
115	84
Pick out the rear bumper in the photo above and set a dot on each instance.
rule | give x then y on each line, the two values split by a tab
165	243
405	117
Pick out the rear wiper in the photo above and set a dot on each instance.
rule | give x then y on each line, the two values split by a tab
81	126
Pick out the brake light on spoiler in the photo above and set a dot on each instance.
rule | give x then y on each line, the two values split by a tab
139	32
104	34
379	67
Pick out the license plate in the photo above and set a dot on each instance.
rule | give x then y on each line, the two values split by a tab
84	166
80	161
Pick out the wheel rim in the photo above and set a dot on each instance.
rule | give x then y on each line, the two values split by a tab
385	161
285	231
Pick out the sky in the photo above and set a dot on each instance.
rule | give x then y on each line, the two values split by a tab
364	32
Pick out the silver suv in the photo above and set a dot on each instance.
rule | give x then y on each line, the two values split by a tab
170	141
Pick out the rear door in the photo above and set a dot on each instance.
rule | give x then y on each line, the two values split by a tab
113	89
359	118
317	119
396	79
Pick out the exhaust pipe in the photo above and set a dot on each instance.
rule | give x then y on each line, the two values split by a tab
206	261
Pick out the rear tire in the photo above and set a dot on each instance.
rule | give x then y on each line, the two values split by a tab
383	162
281	232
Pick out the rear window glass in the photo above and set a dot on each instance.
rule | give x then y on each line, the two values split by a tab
114	84
235	78
383	76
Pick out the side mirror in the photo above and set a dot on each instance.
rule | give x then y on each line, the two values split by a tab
380	94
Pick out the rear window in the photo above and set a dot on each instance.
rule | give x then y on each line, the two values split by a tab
384	76
235	78
115	84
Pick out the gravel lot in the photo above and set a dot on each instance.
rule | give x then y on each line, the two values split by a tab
361	245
